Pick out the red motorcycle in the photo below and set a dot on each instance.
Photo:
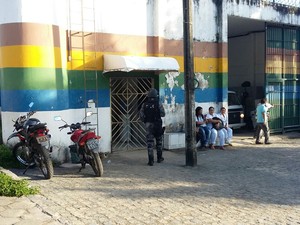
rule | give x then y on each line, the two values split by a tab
86	145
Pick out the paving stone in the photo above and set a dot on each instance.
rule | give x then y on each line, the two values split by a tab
9	221
12	213
245	184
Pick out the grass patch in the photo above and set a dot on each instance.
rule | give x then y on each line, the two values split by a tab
9	186
15	188
7	160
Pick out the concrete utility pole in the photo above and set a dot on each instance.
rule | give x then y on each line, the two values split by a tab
190	150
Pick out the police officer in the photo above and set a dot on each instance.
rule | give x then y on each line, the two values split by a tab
151	112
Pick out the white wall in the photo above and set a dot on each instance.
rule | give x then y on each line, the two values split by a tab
131	17
60	139
138	17
33	11
265	13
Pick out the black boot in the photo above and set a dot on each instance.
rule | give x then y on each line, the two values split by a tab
151	160
159	157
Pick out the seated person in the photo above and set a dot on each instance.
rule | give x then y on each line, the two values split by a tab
202	132
226	129
214	123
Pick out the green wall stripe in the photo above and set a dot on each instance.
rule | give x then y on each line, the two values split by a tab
33	78
215	80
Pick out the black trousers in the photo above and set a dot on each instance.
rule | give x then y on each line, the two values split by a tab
266	130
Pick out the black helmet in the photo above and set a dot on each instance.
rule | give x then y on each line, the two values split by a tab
152	93
31	122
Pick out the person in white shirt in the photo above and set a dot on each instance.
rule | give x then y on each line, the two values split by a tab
226	129
202	132
212	122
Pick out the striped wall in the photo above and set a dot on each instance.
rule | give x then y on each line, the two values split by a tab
35	50
35	67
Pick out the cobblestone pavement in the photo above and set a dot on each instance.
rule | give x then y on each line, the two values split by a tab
245	184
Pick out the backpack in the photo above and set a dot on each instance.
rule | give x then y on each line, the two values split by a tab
152	115
151	111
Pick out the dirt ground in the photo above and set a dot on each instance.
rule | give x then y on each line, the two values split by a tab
245	138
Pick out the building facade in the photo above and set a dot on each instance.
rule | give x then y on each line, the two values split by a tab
74	56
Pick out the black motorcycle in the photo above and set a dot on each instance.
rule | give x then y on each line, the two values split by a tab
18	138
33	147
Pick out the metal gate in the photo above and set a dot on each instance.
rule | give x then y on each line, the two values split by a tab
282	77
127	96
275	97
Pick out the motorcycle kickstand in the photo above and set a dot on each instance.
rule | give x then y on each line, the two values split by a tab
26	169
82	165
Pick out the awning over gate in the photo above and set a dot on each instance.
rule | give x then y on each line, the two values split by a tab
130	63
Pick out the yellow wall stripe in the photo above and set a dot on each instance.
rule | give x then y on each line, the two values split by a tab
32	56
54	57
203	65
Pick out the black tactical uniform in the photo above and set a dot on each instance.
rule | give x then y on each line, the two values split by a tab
151	113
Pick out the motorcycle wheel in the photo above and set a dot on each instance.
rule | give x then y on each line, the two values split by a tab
22	153
45	162
96	164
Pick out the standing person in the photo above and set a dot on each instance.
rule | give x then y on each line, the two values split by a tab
226	129
261	133
202	132
214	124
151	112
262	121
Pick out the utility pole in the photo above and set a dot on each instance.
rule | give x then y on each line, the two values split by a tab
190	128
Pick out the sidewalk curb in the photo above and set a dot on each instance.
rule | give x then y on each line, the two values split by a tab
9	173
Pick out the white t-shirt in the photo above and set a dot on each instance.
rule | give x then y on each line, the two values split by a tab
200	119
224	119
209	116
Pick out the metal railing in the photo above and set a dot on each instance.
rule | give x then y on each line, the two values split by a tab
274	3
288	3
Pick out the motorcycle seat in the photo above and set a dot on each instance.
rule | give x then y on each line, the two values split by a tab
37	126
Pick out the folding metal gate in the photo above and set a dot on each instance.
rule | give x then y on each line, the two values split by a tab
127	96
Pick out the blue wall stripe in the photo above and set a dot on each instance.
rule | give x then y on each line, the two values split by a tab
77	98
54	100
48	100
206	95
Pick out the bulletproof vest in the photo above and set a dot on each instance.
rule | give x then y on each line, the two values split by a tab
151	111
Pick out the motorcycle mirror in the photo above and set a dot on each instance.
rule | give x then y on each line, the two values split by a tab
57	118
89	114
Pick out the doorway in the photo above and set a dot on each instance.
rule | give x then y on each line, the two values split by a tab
127	96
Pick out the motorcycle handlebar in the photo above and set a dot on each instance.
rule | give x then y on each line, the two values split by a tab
64	126
74	126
